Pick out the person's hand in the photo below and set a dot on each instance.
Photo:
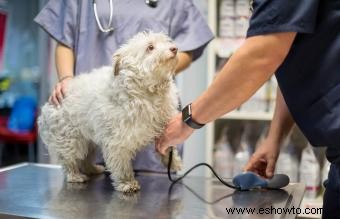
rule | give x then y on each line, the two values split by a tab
176	132
59	91
264	159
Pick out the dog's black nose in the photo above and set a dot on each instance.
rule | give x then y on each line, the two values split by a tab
174	50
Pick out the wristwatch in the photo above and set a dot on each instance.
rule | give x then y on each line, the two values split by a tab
187	118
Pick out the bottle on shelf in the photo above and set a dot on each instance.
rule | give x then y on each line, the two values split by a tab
223	156
244	151
310	172
226	19
325	170
288	161
242	8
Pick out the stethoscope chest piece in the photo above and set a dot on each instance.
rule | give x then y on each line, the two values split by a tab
151	3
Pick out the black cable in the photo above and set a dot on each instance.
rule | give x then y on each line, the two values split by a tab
197	165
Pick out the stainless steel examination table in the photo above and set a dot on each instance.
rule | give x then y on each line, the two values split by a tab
39	191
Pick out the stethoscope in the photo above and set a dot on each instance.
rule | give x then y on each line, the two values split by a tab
109	28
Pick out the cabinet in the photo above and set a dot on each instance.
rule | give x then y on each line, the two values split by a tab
228	20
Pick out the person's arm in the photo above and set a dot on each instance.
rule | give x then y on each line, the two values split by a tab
64	59
184	61
264	159
246	71
282	121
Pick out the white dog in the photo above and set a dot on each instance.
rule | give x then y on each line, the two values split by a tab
119	108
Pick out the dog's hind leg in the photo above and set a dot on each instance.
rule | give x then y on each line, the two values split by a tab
88	167
71	154
73	173
120	166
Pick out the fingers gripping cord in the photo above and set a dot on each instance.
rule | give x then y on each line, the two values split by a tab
192	168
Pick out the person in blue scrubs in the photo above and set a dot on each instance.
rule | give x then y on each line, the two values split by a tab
86	41
300	41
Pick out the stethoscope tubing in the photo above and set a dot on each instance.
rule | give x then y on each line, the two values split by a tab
109	28
101	28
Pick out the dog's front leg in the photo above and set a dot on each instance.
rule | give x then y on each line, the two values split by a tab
118	162
176	162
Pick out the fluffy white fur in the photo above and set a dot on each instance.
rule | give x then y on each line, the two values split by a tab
120	109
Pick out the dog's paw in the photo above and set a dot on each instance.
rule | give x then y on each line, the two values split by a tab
94	169
76	178
127	186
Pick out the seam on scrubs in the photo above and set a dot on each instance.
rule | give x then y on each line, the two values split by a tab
278	29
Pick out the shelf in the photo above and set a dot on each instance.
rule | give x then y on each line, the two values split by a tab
219	50
267	116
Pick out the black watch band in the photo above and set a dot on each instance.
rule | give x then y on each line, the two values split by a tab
187	118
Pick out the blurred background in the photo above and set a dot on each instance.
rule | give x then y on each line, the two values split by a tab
24	63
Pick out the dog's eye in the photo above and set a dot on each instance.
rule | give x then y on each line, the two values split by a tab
150	47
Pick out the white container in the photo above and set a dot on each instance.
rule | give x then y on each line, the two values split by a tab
223	156
227	8
224	160
310	172
241	26
288	164
271	87
242	156
226	19
325	170
227	27
242	8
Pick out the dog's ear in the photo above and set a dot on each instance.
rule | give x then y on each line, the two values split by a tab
116	64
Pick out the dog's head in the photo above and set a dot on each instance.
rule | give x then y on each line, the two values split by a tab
148	54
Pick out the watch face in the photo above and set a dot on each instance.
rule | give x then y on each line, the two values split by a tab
186	114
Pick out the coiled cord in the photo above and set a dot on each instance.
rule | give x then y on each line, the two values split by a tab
192	168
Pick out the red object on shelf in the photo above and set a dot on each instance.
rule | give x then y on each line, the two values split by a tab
6	135
10	137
